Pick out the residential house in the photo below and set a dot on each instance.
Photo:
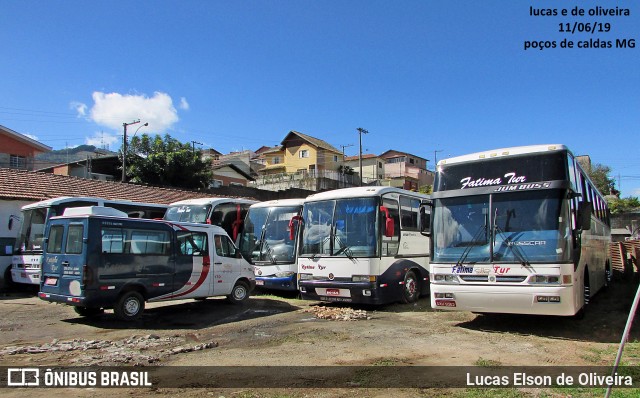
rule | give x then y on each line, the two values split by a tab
105	168
407	171
229	175
17	151
301	161
372	167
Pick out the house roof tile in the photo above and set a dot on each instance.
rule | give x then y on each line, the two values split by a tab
37	186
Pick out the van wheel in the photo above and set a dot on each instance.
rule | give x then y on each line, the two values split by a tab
88	312
239	293
129	306
411	288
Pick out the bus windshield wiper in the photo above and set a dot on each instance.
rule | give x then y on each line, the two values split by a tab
343	249
266	248
507	241
474	242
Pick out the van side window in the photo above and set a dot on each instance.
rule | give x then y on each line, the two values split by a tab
74	239
409	211
54	245
192	243
112	240
149	242
224	246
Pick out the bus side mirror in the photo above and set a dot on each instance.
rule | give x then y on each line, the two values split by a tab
425	221
292	226
389	229
584	215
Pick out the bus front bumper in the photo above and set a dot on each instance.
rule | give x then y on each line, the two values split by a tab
287	283
532	300
346	292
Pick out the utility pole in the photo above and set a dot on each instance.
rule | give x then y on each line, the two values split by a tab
343	166
435	158
193	145
124	148
360	132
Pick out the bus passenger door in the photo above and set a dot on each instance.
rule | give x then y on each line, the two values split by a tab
193	273
227	265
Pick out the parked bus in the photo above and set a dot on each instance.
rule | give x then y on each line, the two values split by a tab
269	241
517	230
228	213
363	245
96	258
27	257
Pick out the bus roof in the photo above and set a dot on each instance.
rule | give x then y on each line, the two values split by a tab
494	153
66	199
278	203
359	192
212	201
94	211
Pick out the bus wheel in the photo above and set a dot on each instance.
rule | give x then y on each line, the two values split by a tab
88	312
239	293
410	288
129	306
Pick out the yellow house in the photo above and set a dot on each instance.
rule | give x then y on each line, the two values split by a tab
301	153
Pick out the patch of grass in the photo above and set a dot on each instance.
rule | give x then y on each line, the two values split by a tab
487	363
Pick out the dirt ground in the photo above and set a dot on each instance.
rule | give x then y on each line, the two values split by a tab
283	331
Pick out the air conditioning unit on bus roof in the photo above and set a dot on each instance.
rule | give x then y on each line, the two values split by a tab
94	211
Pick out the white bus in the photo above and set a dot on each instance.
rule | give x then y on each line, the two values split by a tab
228	213
517	230
363	245
27	258
269	241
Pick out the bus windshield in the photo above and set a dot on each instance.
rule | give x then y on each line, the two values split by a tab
342	227
32	232
188	213
520	227
265	238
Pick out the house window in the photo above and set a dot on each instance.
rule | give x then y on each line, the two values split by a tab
277	160
412	161
17	162
216	184
235	184
380	164
335	158
304	153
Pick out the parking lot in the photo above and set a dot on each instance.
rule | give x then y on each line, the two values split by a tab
284	331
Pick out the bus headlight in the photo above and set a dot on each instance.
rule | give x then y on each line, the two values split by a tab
305	277
363	278
445	278
545	279
284	274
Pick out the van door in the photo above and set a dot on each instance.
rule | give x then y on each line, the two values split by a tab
227	265
193	266
64	257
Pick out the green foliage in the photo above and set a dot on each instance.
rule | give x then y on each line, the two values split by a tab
623	205
599	174
166	162
426	189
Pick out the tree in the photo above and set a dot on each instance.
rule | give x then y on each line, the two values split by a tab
623	205
599	174
166	162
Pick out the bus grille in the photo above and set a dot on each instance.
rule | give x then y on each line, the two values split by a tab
499	278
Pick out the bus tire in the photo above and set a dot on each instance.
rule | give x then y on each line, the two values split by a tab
239	293
410	288
88	312
130	306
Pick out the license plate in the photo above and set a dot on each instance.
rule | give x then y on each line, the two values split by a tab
333	292
445	303
51	281
259	283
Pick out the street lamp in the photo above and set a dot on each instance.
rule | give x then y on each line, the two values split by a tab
124	146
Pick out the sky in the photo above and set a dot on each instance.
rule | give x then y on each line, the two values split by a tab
435	78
